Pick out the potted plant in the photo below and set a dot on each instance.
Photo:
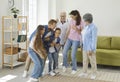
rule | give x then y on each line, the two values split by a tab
15	11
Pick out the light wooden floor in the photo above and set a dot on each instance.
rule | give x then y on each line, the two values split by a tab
104	73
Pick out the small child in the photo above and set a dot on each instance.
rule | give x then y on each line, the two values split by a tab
54	44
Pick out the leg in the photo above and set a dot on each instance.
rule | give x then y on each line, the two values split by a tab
85	64
27	64
93	65
37	64
75	45
93	62
85	61
65	52
50	62
54	60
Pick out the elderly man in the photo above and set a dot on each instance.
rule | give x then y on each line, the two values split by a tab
62	23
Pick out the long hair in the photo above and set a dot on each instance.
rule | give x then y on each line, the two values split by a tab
76	13
38	44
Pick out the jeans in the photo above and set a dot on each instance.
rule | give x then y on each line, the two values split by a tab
52	57
74	44
57	62
38	64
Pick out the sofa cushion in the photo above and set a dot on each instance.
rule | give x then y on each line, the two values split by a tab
103	42
108	57
115	43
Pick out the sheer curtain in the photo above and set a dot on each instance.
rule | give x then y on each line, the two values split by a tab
37	12
29	8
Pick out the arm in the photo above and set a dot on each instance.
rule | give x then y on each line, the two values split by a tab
42	55
94	41
67	32
78	30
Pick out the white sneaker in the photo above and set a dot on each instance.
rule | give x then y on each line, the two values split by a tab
25	74
51	73
64	69
93	76
83	74
73	72
32	80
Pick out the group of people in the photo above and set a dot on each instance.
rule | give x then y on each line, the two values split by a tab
47	40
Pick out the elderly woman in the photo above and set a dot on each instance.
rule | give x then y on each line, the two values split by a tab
89	39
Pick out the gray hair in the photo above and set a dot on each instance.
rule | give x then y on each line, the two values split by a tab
88	17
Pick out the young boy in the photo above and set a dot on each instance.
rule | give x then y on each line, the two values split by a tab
54	44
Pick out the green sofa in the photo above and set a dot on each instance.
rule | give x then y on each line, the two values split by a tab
107	53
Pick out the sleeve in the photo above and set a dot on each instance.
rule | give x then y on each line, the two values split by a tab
94	38
58	41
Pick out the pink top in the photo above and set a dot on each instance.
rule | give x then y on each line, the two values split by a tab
74	35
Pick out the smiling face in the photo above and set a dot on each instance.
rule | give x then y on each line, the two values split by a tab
52	26
57	33
73	17
63	16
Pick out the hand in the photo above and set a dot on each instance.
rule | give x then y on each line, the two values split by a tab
74	27
57	45
52	44
47	39
90	53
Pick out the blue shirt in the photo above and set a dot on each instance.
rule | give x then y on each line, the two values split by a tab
89	37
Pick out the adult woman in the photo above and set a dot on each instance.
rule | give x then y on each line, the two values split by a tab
37	53
89	39
73	40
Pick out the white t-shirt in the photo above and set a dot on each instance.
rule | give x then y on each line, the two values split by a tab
52	49
31	44
64	28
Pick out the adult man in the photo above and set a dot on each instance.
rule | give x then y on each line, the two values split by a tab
62	23
50	27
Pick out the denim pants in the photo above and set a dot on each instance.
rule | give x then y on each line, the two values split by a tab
38	64
74	44
52	57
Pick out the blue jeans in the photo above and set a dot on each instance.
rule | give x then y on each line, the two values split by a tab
52	57
38	64
74	44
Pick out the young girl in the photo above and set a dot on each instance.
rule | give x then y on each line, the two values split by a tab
37	53
73	40
48	28
54	44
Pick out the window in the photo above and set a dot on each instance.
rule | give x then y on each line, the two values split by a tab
29	8
32	15
37	12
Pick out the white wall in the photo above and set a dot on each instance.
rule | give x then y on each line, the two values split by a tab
4	11
52	9
105	12
42	11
